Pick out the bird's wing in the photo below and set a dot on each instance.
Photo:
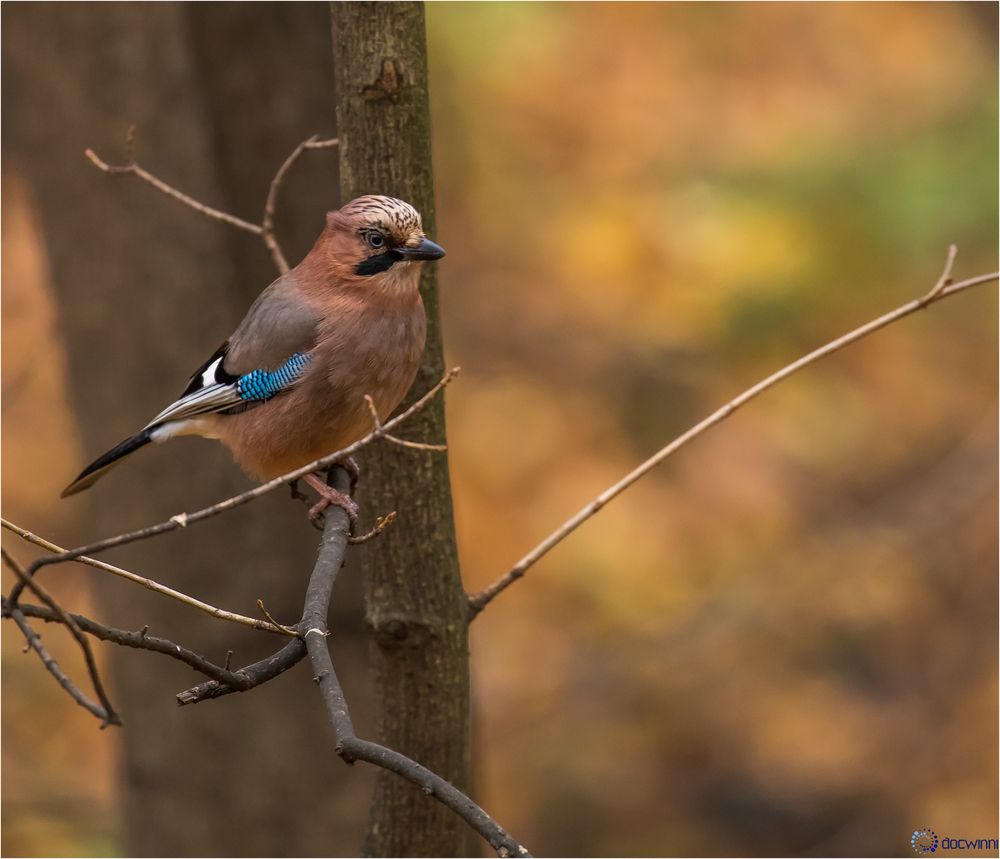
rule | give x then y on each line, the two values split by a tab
266	355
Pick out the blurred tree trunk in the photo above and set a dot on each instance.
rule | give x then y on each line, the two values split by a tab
147	289
414	599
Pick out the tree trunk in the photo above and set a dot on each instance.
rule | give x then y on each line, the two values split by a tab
147	289
415	605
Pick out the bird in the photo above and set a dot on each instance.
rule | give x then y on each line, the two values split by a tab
289	385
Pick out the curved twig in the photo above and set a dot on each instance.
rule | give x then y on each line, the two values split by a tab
270	205
106	711
941	290
134	169
265	229
35	643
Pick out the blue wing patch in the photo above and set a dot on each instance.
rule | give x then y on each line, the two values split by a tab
264	384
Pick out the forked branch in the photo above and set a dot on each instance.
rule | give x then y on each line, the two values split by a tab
265	229
105	711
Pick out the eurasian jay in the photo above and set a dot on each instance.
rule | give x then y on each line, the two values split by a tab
289	385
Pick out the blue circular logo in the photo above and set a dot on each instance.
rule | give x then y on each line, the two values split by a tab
924	842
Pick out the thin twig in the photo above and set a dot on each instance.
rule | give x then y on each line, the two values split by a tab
267	616
134	169
108	716
381	523
945	279
265	229
414	445
267	222
349	746
182	520
380	432
942	289
149	584
34	642
376	421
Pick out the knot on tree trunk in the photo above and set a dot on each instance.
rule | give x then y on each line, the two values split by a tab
388	82
393	631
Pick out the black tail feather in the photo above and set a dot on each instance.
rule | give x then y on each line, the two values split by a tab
93	472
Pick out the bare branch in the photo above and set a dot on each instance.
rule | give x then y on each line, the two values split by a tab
35	643
942	289
349	746
267	223
265	229
414	445
140	640
107	712
313	631
945	279
381	523
402	442
250	676
267	616
149	584
182	520
134	169
311	638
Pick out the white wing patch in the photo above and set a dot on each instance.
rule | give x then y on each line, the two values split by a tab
208	377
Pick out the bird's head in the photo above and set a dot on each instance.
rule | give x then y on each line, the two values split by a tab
379	241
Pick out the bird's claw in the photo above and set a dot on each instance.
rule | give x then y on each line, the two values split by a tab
330	497
344	502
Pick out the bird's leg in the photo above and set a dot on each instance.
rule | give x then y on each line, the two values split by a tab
297	494
350	465
328	496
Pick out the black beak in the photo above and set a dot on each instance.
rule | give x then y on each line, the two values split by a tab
425	250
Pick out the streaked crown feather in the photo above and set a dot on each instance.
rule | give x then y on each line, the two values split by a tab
374	209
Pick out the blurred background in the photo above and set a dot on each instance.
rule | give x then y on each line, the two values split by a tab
784	641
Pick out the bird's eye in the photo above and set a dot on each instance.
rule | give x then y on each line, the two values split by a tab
376	240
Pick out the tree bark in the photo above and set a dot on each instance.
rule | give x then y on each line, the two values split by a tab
415	605
147	289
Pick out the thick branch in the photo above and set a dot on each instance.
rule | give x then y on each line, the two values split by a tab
941	290
349	746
